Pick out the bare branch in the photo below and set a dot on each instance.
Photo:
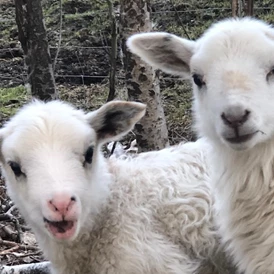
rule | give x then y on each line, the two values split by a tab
113	53
60	34
179	19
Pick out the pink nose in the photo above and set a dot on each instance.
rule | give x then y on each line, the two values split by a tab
62	204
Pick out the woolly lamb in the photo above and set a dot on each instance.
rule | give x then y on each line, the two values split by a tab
151	214
232	67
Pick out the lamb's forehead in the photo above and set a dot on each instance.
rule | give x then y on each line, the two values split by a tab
237	26
236	36
54	121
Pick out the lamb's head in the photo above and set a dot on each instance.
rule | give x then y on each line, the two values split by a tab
51	160
232	69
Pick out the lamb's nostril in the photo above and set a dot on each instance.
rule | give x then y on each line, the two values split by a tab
62	203
235	117
247	113
224	117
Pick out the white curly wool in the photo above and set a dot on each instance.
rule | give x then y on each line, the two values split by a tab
232	67
152	214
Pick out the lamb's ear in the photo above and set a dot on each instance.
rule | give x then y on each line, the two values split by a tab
164	51
115	119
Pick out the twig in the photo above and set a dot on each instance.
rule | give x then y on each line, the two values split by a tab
9	251
179	19
27	254
7	216
113	52
8	243
10	232
113	148
18	246
60	34
9	212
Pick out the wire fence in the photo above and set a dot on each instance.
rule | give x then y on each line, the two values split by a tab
83	56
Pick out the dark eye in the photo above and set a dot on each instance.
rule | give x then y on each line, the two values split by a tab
270	74
89	155
16	168
198	80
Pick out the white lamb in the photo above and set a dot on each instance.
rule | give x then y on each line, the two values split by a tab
232	67
148	215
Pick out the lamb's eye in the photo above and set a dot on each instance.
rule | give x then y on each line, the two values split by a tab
270	74
89	155
198	80
16	168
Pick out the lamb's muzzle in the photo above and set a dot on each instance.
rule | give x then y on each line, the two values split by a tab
237	129
61	216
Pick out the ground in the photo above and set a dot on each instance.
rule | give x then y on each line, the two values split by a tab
81	63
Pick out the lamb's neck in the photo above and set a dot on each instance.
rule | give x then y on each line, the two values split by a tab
248	172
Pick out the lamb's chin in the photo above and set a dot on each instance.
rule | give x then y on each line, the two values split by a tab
63	230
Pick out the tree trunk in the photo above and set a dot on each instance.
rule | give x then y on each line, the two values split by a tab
242	8
249	10
141	80
33	37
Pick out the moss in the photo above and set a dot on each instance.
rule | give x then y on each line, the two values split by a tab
85	97
76	16
11	99
177	105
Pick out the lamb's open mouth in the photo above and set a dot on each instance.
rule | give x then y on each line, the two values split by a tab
240	138
61	229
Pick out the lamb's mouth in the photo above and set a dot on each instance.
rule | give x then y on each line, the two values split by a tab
237	139
64	229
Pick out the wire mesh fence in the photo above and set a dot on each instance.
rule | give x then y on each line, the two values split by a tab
83	54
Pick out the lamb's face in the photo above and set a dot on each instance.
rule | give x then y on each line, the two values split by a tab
52	163
232	68
233	73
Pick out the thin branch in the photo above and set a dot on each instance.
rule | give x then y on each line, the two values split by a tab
113	52
113	148
60	35
8	216
179	19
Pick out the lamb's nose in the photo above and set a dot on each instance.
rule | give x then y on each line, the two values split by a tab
61	204
235	116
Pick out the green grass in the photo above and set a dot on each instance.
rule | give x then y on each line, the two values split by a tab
75	16
11	99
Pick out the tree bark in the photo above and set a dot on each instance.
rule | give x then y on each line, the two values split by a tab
249	10
33	37
141	80
241	8
237	8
